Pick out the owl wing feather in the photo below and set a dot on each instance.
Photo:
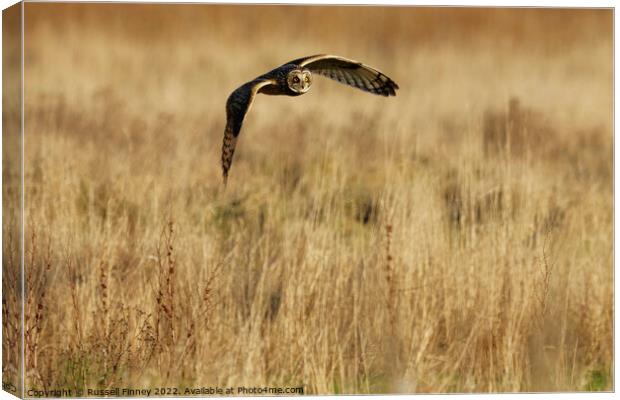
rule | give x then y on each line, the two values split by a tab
237	106
349	72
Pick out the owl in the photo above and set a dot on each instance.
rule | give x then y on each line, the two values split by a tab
294	79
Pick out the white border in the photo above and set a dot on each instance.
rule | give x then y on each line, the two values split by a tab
478	3
434	3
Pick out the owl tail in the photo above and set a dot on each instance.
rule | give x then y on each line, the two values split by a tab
228	149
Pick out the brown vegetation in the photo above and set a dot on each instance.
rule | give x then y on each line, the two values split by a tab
455	238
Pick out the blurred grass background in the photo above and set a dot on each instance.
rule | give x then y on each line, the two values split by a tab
455	238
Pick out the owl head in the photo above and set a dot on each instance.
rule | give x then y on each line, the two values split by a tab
299	80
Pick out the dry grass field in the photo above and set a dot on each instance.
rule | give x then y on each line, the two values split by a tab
455	238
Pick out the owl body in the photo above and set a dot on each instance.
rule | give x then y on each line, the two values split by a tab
279	78
294	79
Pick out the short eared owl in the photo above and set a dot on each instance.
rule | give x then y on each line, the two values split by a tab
294	79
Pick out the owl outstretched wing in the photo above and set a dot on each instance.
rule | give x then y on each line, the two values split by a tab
237	106
349	72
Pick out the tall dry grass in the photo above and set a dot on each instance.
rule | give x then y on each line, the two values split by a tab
455	238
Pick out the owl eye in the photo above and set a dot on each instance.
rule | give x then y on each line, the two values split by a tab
296	79
307	79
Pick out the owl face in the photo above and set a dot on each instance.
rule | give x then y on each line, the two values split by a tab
299	80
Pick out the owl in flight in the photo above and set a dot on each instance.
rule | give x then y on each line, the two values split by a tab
294	79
